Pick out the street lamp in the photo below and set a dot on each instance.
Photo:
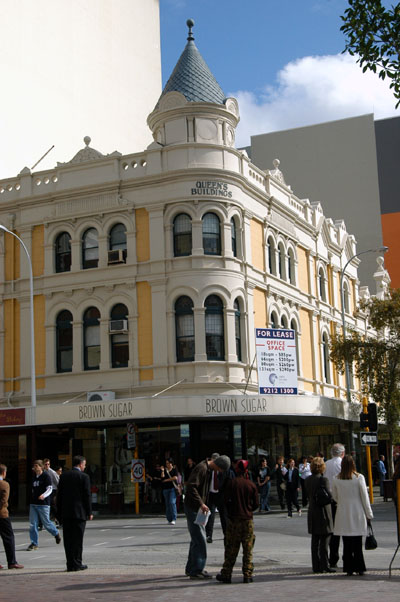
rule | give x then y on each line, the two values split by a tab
346	365
32	325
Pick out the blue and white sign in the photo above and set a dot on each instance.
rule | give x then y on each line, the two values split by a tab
276	361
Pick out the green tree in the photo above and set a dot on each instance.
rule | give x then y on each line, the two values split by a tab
376	358
373	35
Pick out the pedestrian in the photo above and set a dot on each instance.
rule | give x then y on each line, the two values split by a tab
195	500
190	464
39	509
279	473
74	508
54	477
6	530
353	511
381	468
264	485
319	518
305	472
332	469
241	500
169	484
292	480
156	488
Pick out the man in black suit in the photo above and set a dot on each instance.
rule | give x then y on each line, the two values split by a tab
73	509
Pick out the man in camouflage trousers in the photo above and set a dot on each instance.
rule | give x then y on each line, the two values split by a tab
242	499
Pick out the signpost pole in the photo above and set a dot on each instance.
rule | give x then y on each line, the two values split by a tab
136	456
397	485
368	455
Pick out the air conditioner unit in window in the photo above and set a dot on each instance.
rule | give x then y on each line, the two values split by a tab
101	396
116	256
118	326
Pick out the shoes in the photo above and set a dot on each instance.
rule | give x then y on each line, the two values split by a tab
31	547
83	567
223	579
361	573
349	574
209	539
201	575
171	522
40	528
333	565
1	567
15	566
247	579
299	512
289	516
58	538
328	571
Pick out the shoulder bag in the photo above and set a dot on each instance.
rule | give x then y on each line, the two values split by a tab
370	541
322	497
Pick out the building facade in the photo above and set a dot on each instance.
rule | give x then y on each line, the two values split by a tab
151	272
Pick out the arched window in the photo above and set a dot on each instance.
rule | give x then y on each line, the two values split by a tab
284	322
346	297
91	339
184	329
211	234
90	249
182	235
117	244
293	326
281	260
322	284
238	340
63	252
119	336
274	320
325	358
291	273
215	347
234	237
271	256
64	341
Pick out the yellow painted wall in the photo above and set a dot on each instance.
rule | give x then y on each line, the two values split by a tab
38	250
39	309
11	344
12	250
142	235
257	244
145	330
302	269
306	348
260	309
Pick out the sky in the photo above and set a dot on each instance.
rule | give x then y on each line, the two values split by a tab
282	60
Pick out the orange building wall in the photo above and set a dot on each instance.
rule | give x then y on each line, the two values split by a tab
391	239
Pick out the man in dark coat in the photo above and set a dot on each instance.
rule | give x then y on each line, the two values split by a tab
73	509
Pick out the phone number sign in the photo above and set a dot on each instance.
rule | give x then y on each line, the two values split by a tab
276	361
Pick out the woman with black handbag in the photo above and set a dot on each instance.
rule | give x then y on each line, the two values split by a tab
353	511
319	518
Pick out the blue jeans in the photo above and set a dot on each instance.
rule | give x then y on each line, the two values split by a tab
198	547
264	495
42	514
170	504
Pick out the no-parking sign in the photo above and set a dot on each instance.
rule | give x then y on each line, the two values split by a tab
138	471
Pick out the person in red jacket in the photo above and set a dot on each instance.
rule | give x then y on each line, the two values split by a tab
241	500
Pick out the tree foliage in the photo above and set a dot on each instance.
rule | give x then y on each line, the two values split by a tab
376	357
373	35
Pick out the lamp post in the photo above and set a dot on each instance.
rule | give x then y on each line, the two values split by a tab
32	324
346	365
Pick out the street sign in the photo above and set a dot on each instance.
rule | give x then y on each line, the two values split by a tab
369	438
137	471
130	435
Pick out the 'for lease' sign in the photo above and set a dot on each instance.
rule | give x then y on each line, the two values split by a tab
276	361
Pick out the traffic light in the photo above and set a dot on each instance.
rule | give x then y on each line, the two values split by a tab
372	417
369	420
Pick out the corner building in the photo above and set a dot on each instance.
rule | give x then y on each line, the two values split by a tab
151	272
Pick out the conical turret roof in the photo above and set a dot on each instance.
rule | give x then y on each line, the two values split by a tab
192	76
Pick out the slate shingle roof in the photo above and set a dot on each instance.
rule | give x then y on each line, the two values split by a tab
192	78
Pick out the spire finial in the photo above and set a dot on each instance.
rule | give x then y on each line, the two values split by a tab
190	24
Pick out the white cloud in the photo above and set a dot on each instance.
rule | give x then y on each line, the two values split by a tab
312	90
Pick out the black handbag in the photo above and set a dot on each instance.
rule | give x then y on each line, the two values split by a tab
322	497
370	541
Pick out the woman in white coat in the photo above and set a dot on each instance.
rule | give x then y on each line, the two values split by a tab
353	510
